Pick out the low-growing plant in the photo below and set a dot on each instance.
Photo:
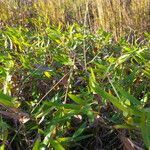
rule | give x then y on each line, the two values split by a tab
70	84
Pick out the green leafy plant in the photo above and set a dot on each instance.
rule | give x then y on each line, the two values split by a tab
65	87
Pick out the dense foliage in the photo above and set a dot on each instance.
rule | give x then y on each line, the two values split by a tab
70	88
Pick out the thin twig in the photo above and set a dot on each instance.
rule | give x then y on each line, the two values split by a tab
84	43
69	79
49	92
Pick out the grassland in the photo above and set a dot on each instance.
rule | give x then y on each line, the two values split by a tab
74	75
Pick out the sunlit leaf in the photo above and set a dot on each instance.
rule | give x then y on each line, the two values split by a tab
77	99
56	145
6	100
36	145
47	74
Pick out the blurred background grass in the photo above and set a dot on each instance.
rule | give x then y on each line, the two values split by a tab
116	16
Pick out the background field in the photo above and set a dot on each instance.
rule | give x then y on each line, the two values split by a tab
117	16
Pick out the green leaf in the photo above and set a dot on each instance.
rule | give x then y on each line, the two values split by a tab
145	126
122	59
64	139
112	99
64	59
77	99
6	100
115	101
60	119
80	130
125	94
2	147
56	145
47	74
83	137
66	106
3	130
36	145
123	126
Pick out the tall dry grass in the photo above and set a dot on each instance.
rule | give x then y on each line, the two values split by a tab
121	15
117	16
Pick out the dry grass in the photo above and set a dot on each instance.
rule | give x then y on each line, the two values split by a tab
117	16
